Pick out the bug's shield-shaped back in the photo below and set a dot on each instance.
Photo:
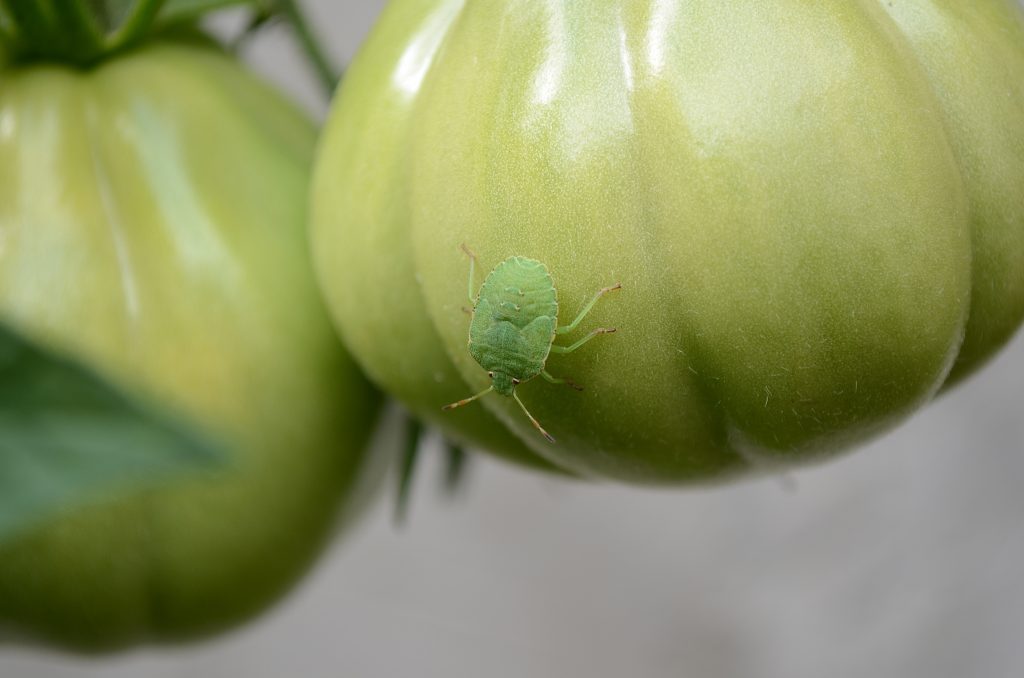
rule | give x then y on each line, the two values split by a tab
519	290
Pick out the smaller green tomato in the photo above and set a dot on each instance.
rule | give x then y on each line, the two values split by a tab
152	226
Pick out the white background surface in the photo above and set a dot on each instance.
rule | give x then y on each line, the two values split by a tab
902	559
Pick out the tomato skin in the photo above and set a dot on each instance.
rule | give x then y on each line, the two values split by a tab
809	206
152	220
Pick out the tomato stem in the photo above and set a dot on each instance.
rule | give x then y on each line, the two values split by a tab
136	24
315	52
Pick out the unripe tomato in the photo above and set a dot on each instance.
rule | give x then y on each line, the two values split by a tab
152	225
814	210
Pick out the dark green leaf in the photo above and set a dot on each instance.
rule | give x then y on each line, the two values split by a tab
455	468
68	437
407	469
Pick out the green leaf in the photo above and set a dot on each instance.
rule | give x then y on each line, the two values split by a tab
407	468
67	437
455	468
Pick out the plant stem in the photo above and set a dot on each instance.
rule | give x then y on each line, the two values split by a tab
310	45
135	24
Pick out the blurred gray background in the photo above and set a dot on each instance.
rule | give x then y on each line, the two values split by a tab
903	559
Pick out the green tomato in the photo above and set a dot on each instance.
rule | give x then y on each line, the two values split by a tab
152	225
814	210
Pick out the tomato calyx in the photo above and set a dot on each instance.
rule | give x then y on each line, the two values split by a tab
83	33
73	31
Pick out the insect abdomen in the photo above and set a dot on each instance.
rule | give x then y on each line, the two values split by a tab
504	348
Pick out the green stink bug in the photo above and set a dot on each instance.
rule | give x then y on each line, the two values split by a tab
514	324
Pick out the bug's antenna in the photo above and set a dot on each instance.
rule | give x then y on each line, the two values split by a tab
468	400
536	424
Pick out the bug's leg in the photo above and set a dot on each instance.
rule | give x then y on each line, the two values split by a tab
555	348
536	424
472	266
554	380
586	309
466	401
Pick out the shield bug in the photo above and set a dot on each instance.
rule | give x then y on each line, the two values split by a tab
514	325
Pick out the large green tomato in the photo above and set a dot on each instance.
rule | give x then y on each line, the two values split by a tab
152	224
815	210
